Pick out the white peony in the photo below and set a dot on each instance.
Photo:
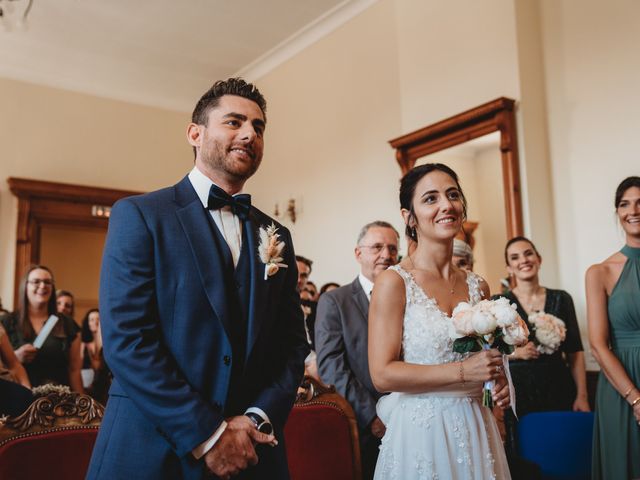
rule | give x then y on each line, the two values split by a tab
550	331
516	334
483	321
461	321
504	311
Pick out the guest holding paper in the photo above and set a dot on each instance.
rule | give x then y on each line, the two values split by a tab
56	358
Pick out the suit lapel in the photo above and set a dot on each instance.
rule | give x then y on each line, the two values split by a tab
360	298
259	286
193	218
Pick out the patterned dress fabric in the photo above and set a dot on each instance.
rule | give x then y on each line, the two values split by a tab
544	384
444	434
616	434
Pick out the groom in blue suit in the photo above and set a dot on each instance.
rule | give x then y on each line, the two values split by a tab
201	322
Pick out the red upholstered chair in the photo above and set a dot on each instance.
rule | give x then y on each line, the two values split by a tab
321	436
53	439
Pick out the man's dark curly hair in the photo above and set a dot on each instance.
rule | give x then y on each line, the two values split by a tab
231	86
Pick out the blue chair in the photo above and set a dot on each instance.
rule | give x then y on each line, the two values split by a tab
559	442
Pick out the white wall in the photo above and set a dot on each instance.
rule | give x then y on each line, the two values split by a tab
592	74
398	66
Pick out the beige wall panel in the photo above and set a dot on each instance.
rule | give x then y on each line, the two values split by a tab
60	136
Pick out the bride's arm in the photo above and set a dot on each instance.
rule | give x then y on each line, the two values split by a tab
388	372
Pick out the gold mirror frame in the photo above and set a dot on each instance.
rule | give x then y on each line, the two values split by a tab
495	116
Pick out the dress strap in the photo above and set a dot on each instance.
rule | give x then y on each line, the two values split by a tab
473	282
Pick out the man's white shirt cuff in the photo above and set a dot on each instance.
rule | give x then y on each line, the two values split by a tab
258	411
208	444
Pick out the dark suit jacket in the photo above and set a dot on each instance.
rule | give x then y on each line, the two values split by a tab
341	346
166	330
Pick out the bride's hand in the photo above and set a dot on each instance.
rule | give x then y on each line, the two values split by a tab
483	366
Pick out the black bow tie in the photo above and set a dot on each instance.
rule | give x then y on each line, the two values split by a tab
240	204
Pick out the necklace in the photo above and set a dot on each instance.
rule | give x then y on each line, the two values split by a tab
530	303
451	284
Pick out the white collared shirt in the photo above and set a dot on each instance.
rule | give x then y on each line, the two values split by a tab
228	223
366	284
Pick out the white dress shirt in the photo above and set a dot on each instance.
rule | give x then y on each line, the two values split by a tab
366	284
229	226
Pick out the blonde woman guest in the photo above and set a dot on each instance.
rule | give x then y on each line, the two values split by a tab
58	359
613	313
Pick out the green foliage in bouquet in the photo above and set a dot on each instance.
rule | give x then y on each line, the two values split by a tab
476	344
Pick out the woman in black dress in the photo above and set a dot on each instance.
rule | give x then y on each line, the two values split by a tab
58	360
542	381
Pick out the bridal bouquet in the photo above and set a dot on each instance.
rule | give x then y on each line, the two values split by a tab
549	331
487	324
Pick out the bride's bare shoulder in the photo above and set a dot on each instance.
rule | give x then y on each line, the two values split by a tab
389	279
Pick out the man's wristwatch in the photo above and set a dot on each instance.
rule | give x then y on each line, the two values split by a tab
261	424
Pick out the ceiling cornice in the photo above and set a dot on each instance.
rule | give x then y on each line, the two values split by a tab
305	37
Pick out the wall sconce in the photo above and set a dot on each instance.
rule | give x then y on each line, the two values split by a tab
289	212
100	211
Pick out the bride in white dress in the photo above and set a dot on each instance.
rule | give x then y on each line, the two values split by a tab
436	425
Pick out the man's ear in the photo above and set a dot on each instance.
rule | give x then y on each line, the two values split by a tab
194	135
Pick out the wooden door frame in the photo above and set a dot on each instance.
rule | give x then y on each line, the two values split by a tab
42	203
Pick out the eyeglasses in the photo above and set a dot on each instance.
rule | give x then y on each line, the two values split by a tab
37	282
378	247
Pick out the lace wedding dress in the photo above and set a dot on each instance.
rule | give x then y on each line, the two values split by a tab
445	434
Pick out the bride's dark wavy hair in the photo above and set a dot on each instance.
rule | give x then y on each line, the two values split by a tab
625	185
408	189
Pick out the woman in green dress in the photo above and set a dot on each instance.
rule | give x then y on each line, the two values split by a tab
613	313
550	381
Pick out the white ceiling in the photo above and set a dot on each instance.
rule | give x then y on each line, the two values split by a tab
162	53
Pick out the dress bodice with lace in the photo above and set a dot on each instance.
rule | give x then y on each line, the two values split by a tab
425	337
443	434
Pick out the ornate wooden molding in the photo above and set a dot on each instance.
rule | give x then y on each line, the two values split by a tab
495	116
43	203
57	410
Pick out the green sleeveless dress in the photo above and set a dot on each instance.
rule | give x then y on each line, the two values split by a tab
616	434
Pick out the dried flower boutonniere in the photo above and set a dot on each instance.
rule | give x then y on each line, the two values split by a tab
270	250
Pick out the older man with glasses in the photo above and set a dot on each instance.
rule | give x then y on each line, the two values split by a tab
342	334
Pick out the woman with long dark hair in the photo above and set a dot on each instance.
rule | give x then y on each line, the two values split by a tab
613	314
543	380
58	359
93	357
436	424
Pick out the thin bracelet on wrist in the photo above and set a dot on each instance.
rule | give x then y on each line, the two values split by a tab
637	400
461	373
628	392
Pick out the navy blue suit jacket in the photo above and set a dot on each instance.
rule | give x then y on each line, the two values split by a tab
165	326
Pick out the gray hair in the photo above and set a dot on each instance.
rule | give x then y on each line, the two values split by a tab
462	249
377	223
